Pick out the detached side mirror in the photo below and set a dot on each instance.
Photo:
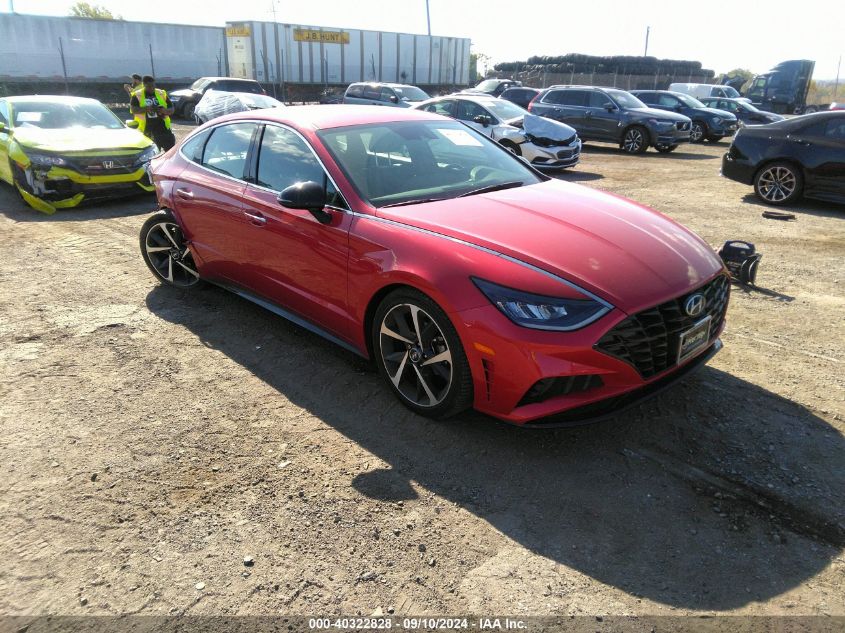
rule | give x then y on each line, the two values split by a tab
131	123
308	195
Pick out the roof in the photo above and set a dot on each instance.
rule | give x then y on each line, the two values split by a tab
381	83
321	117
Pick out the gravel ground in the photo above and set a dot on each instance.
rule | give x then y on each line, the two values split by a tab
154	439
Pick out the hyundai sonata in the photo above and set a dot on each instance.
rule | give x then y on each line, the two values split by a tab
471	279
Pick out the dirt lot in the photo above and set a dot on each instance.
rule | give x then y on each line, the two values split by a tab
153	439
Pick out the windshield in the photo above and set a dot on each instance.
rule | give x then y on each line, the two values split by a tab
690	102
503	109
200	83
625	99
488	84
731	92
56	115
410	93
413	161
747	106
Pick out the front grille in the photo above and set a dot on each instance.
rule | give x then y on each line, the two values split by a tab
560	386
546	142
565	153
104	165
683	126
648	340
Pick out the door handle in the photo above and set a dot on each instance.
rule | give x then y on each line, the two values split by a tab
185	193
256	218
801	141
588	115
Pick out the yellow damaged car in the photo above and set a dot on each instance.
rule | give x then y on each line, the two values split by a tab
58	151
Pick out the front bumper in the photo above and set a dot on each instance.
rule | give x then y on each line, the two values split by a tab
556	156
724	128
670	136
508	361
62	188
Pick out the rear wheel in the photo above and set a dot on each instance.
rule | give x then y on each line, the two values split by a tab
420	356
697	132
166	253
665	149
635	140
778	183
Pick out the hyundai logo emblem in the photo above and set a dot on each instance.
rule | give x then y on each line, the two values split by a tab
108	164
694	305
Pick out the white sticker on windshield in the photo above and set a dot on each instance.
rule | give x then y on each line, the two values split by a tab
461	137
29	117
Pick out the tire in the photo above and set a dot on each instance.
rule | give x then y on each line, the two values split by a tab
665	149
188	110
166	253
436	390
811	109
511	146
778	183
635	140
698	132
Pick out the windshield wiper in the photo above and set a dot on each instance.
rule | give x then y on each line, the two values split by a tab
407	202
489	188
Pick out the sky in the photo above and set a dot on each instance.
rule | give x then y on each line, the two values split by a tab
721	35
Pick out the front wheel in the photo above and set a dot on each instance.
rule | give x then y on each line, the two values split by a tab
188	110
697	132
420	356
166	253
511	146
778	183
665	149
635	140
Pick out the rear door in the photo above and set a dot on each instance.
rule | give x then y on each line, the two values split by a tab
208	199
821	149
294	260
568	106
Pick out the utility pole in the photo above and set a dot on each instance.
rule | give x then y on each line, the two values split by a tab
836	85
647	30
273	8
428	17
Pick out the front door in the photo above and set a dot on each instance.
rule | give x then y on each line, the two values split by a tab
296	261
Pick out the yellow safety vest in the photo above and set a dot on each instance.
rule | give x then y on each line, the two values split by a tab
141	117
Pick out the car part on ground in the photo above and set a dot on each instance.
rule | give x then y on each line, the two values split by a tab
545	143
707	123
216	103
742	260
58	151
778	215
612	116
421	243
801	156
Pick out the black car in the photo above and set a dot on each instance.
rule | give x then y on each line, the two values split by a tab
496	87
613	116
794	157
744	111
520	96
707	123
186	99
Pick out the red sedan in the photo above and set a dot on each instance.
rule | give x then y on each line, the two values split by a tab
471	279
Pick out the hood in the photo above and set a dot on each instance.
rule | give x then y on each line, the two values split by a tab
79	139
541	127
182	92
623	252
660	114
720	113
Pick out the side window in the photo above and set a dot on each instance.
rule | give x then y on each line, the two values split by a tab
554	97
4	113
372	92
211	85
355	91
570	97
285	159
467	111
227	148
446	108
835	128
194	146
598	99
666	100
387	93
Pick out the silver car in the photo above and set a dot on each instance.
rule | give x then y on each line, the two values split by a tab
544	143
396	95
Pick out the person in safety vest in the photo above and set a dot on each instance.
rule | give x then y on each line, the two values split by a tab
152	109
135	78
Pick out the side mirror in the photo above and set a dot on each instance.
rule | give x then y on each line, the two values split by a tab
678	108
394	99
483	120
131	123
609	107
308	195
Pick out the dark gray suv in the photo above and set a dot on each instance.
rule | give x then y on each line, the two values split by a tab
613	116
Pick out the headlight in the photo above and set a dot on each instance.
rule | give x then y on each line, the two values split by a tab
717	120
541	312
45	160
147	155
